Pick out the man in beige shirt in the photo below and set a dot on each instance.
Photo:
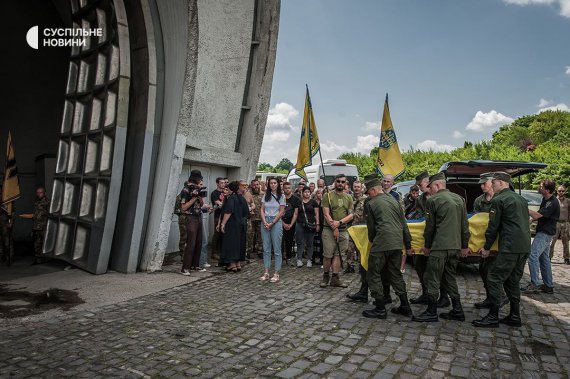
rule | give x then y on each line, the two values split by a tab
563	224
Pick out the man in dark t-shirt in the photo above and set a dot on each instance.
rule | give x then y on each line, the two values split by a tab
547	217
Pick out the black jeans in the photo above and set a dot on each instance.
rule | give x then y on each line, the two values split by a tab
287	242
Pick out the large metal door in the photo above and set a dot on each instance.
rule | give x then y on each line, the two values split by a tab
92	140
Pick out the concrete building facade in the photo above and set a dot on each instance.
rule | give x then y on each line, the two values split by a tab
167	87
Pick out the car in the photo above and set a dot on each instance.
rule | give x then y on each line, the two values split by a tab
534	200
327	171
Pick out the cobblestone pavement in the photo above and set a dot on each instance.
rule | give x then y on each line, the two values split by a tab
234	326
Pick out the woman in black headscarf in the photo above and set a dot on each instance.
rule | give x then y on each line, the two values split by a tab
231	227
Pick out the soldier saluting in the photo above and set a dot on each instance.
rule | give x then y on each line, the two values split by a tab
446	235
39	222
508	219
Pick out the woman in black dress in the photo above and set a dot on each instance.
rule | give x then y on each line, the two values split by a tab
231	228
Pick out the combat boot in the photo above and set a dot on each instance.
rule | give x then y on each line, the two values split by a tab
336	282
325	281
349	269
514	317
489	321
456	312
422	299
404	308
361	296
379	311
429	315
485	303
443	301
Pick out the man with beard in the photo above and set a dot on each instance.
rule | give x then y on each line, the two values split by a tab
338	212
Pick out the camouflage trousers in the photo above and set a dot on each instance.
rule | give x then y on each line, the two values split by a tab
38	242
254	242
182	242
351	252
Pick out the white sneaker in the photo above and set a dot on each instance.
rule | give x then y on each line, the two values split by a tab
185	272
309	263
299	263
206	265
201	269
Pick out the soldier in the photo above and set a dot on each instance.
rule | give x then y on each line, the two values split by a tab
563	225
362	294
254	241
420	261
387	231
181	224
337	209
5	251
446	234
39	219
483	204
509	216
358	199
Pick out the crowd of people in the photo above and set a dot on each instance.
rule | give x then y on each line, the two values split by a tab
285	225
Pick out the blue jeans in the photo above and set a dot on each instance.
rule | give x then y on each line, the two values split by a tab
272	237
540	255
204	251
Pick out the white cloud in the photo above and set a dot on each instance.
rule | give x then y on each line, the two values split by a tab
567	70
543	103
371	125
563	4
457	134
557	107
277	141
483	122
432	145
366	143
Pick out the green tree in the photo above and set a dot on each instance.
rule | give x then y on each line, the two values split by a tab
284	166
263	166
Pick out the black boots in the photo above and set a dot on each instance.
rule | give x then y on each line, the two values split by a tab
489	321
456	312
379	311
387	297
514	317
429	315
443	301
423	298
361	296
404	308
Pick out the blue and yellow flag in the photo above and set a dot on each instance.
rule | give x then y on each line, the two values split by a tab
389	156
11	185
309	144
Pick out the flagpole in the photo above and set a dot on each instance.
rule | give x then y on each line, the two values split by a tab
320	154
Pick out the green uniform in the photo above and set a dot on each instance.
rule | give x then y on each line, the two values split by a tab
420	261
182	218
482	205
508	219
446	233
387	232
39	224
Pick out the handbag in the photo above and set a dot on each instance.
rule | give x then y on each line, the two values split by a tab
309	227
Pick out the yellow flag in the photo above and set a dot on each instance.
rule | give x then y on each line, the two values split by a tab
11	186
309	143
389	156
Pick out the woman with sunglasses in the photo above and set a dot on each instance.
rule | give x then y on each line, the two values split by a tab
272	209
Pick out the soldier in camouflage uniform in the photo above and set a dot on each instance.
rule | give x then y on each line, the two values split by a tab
254	241
358	199
39	222
182	218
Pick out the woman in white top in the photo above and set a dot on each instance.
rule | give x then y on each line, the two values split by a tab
272	208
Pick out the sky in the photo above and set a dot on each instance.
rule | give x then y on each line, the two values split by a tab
455	70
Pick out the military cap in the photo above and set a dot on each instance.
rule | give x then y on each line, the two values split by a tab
500	175
372	182
484	178
438	176
195	174
370	177
421	177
